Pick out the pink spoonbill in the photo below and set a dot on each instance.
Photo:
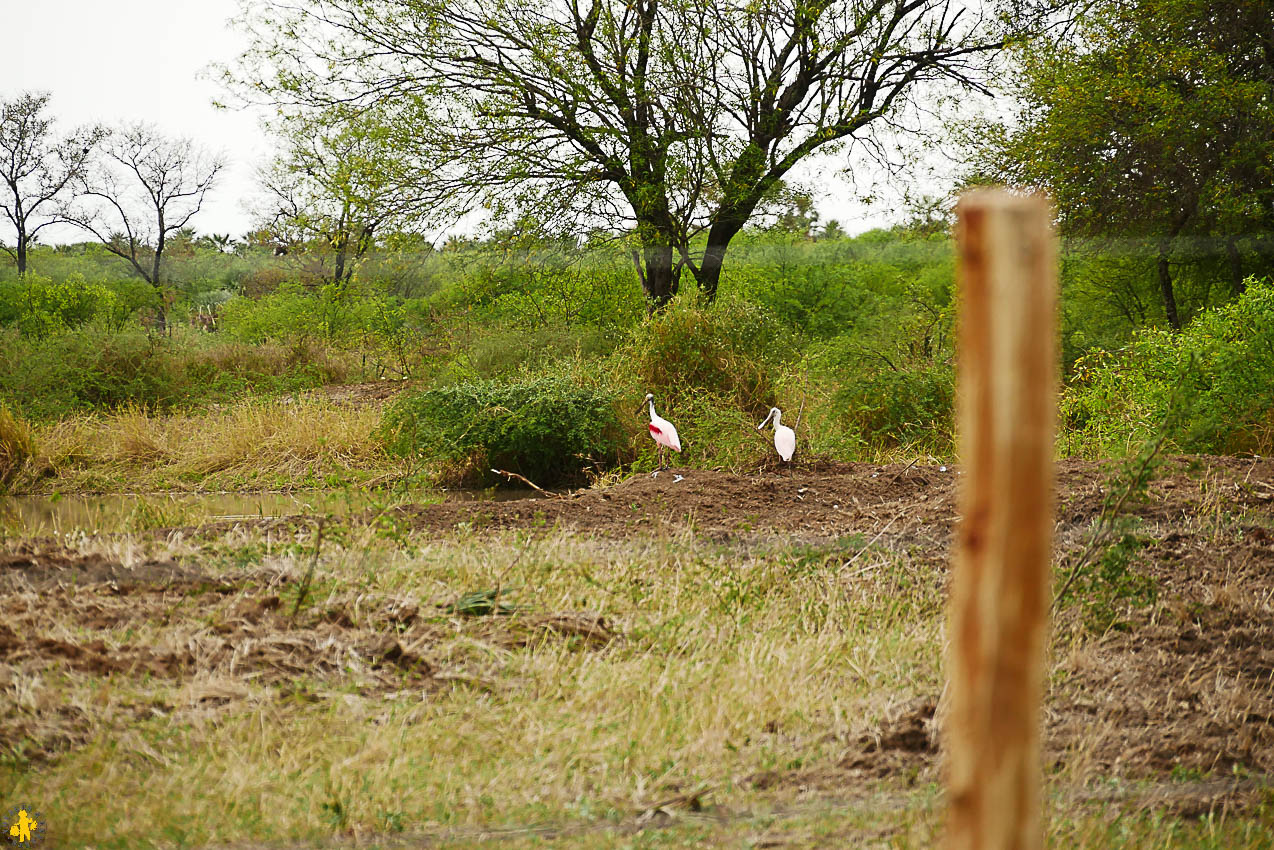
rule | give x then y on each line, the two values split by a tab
662	431
784	437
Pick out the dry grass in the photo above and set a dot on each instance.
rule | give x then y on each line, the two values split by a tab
633	699
733	662
279	443
17	448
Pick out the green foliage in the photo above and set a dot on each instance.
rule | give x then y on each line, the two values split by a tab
1223	363
731	351
335	313
1103	578
502	352
1114	585
1150	121
891	406
95	367
548	429
41	307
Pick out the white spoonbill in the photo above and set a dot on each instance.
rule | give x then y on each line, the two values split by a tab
663	431
784	437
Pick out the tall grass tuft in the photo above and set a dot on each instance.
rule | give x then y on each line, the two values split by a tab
17	447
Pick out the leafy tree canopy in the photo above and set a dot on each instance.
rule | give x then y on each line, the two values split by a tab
672	118
1150	119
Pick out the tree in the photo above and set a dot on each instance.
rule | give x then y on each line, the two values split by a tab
339	180
143	189
37	168
674	118
1153	121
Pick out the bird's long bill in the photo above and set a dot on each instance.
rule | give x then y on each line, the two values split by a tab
768	417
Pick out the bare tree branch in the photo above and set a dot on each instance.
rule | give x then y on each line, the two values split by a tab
141	189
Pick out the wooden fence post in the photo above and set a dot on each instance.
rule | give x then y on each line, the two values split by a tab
1000	586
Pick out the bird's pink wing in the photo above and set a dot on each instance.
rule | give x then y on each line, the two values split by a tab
674	442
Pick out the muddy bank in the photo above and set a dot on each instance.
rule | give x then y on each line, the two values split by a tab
917	503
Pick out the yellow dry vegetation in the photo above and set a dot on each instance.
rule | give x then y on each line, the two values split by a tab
273	443
17	447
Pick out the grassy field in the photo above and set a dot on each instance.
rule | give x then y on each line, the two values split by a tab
496	674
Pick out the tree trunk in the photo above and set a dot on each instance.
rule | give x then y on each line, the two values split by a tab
1165	287
22	253
338	271
657	278
162	318
1236	267
709	274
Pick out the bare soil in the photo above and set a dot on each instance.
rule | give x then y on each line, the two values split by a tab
1180	689
830	499
368	394
220	640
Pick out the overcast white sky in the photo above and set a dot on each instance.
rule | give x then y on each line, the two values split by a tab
143	60
139	60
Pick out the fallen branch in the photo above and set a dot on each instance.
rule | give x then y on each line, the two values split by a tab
509	476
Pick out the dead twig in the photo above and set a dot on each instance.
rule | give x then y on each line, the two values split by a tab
304	590
801	409
903	471
869	543
509	476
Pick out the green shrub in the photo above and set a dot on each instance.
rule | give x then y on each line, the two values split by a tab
549	429
506	351
732	350
1213	384
912	405
41	307
334	313
95	367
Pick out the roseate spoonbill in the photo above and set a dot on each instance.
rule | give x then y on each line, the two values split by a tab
784	437
662	431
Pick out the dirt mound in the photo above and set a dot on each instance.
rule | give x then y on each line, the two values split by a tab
826	500
916	502
908	740
41	567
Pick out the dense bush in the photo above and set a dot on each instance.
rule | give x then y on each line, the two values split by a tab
292	313
855	333
549	429
1211	386
732	350
96	367
40	307
911	406
506	351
